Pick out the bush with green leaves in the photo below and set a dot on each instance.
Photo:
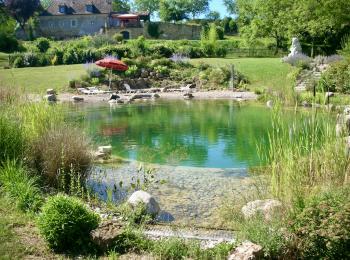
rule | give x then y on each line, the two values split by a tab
43	44
322	227
160	50
153	30
20	186
118	37
65	223
336	78
8	43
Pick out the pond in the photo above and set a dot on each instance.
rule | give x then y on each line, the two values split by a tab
199	152
210	134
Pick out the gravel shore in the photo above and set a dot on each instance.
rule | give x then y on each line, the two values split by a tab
239	96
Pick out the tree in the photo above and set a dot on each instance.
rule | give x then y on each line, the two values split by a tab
230	6
173	10
320	22
197	7
213	16
150	6
120	6
264	18
21	10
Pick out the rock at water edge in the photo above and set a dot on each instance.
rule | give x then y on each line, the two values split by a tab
140	196
265	207
246	251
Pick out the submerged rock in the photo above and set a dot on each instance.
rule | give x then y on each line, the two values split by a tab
264	207
150	203
246	251
77	99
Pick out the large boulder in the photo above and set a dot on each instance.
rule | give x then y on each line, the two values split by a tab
150	203
246	251
264	207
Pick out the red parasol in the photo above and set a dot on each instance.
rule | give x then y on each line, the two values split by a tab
112	64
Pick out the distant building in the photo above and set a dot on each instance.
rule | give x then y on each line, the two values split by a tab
74	18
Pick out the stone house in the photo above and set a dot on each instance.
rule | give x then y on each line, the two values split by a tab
74	18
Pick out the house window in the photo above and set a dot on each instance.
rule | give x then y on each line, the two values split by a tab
62	9
73	23
89	8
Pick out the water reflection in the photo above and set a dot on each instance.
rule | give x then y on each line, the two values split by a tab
198	133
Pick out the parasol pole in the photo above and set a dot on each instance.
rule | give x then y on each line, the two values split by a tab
110	80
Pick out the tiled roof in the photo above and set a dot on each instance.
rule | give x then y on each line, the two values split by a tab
79	6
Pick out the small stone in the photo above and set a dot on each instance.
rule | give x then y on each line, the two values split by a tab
269	103
140	196
306	104
50	91
107	149
77	99
266	207
246	251
51	97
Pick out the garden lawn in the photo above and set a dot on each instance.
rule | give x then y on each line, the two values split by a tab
261	72
38	79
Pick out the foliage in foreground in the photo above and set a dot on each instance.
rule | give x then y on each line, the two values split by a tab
12	141
66	223
20	187
132	240
322	228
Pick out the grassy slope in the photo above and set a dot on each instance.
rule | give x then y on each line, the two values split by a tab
39	79
261	72
18	236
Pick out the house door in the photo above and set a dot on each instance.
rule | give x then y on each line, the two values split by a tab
126	35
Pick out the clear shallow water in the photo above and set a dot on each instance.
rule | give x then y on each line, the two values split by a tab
210	134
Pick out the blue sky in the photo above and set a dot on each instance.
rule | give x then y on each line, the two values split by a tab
218	5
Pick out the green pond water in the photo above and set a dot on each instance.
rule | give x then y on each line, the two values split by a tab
209	134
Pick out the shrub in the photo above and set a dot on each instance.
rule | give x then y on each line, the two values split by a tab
336	78
8	43
62	155
323	226
12	140
161	50
297	59
132	71
118	37
345	44
66	223
162	70
153	30
131	240
100	40
20	186
42	44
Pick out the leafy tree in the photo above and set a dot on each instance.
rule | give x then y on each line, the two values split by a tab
230	6
21	10
196	7
150	6
320	22
213	16
264	18
120	6
173	10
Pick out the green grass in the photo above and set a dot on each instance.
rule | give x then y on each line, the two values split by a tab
268	73
38	79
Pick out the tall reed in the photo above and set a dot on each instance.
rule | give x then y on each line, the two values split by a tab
304	155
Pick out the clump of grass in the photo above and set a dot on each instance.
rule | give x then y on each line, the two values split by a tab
62	155
12	141
20	186
304	155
